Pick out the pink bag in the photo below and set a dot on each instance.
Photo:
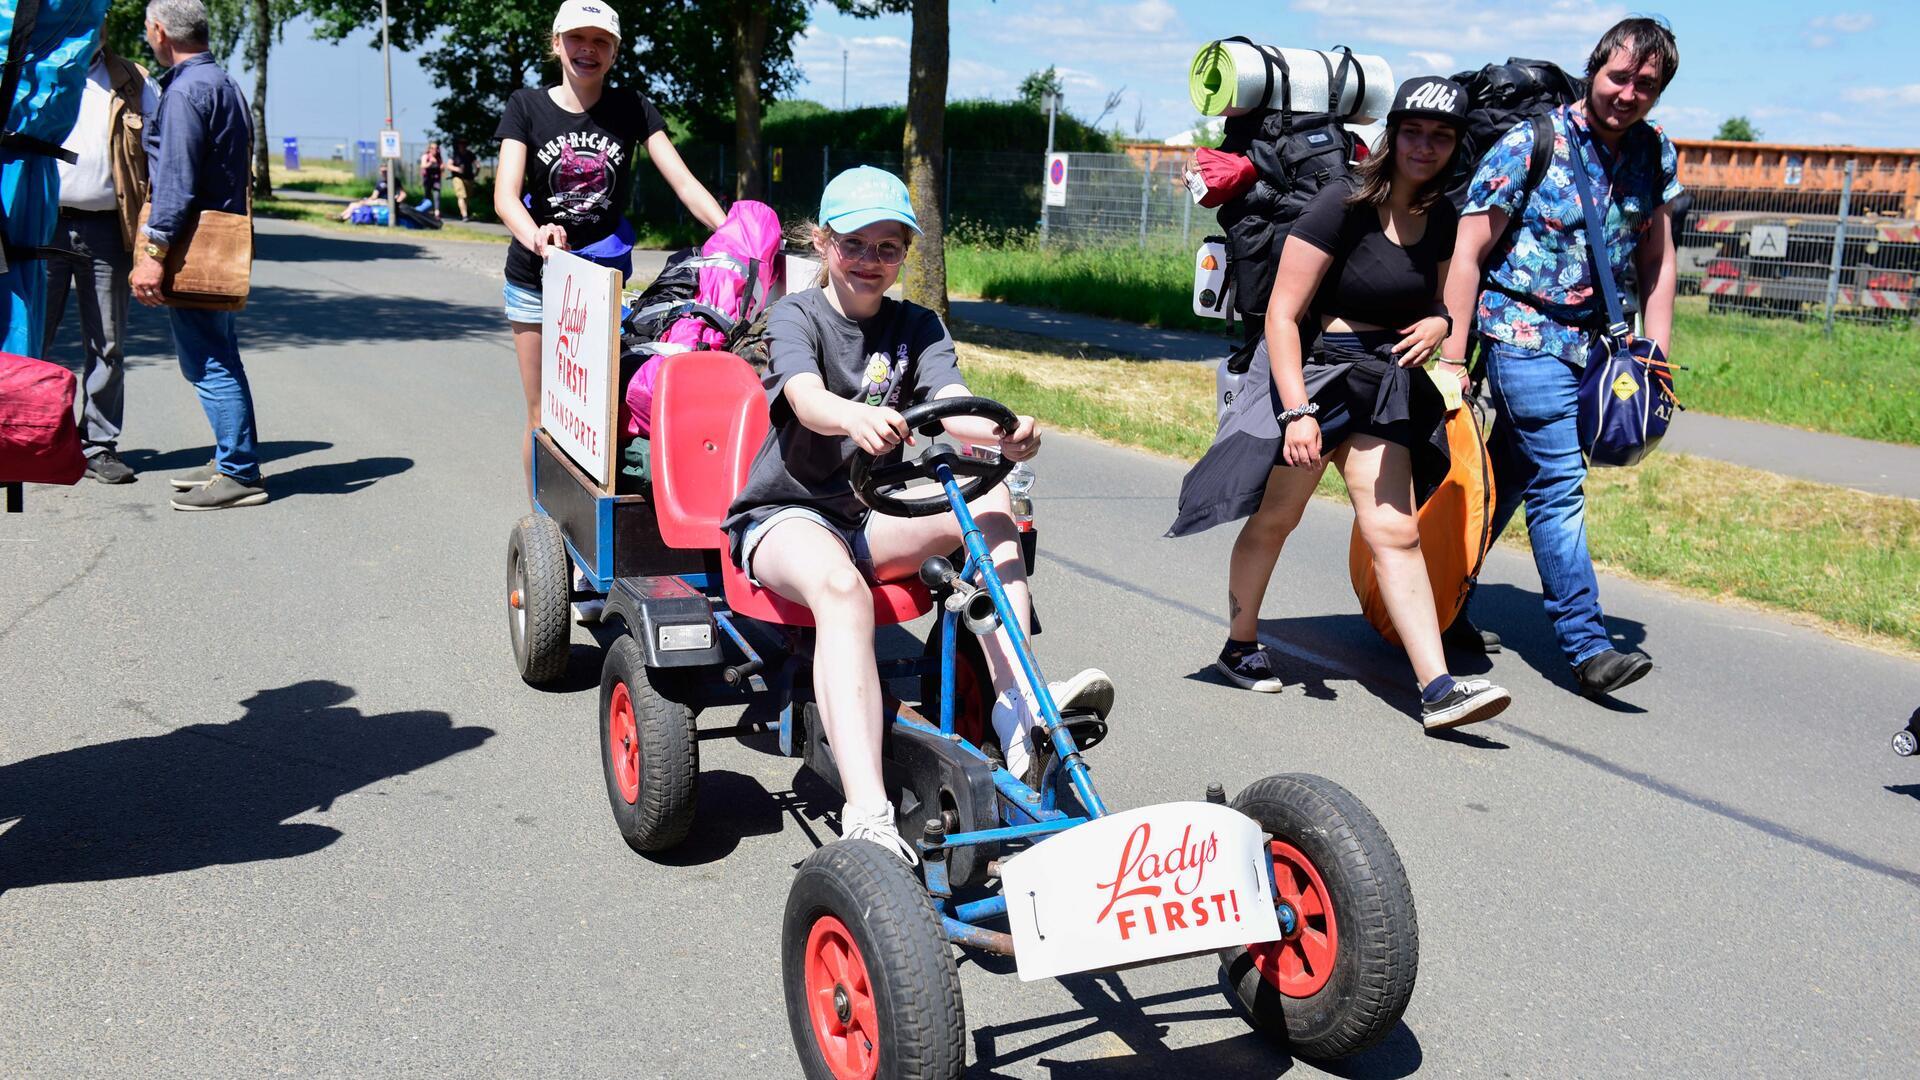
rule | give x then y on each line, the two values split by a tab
39	440
737	268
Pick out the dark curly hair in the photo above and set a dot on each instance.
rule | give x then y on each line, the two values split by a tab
1644	39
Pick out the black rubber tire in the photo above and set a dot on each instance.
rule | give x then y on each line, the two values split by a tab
539	570
661	814
909	965
970	667
1377	953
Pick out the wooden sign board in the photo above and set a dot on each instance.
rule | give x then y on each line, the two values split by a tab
580	361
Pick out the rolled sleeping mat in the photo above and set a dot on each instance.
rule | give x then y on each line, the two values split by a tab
1229	78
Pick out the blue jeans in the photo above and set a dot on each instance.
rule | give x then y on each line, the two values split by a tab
210	359
1536	455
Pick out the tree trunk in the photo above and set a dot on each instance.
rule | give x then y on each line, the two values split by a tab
749	43
262	37
926	155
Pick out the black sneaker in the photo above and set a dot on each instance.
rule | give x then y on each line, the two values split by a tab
1466	638
1603	673
1251	670
194	478
221	493
107	468
1469	702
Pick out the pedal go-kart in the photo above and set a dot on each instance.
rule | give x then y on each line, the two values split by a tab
1294	884
1906	741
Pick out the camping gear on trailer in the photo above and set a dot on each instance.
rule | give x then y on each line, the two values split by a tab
1235	76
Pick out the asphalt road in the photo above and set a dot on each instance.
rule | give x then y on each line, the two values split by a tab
272	799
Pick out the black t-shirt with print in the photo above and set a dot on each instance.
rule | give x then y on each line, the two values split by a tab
579	165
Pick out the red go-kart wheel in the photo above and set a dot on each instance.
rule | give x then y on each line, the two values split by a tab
1343	971
649	751
871	987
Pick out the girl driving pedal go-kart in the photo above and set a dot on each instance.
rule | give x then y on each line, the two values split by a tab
844	359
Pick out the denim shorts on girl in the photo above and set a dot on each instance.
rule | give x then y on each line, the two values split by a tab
855	541
523	305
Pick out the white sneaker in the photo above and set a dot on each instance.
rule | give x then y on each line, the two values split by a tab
586	611
876	825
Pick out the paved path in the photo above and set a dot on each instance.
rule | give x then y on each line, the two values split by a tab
273	801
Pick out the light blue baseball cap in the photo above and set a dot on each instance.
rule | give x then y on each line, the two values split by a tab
861	196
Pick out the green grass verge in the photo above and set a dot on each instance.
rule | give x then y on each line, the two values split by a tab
327	215
1864	381
1849	560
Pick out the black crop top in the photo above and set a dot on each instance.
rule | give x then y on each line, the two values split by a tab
1372	279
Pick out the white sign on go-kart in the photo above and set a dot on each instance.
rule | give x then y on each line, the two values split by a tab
579	341
1157	882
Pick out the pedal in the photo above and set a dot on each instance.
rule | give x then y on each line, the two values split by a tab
1088	728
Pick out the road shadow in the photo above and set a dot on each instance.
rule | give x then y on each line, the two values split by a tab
1518	616
335	477
1109	1010
316	246
152	461
1912	791
208	794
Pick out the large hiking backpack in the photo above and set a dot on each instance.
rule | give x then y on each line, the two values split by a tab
736	268
1294	156
1500	97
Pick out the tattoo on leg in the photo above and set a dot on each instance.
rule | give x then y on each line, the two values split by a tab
1233	605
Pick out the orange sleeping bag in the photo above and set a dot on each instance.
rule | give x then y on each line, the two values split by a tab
1456	529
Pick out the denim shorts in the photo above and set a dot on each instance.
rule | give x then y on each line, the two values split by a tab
523	305
855	541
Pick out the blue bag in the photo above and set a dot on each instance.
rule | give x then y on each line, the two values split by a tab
1626	393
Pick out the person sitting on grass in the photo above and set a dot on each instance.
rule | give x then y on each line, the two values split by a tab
844	359
376	200
1363	268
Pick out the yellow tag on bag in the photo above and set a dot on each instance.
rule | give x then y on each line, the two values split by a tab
1447	382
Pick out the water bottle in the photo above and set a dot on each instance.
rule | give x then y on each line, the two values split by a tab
1020	486
1230	379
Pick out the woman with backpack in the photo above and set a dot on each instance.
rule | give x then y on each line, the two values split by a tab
565	179
1355	315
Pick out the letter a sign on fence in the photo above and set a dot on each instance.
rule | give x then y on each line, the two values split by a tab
1056	180
1768	242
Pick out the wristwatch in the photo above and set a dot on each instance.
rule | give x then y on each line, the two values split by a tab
155	250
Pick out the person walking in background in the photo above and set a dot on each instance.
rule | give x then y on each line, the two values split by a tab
430	176
571	150
1533	299
461	166
1354	317
100	199
198	149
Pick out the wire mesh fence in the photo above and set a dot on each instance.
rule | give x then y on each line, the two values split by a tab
1824	246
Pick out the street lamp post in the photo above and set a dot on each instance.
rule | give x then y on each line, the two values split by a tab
1050	101
386	60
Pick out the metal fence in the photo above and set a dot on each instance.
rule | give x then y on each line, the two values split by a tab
1850	252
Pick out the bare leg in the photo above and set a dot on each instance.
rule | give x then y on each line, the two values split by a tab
1258	547
526	348
808	565
1379	477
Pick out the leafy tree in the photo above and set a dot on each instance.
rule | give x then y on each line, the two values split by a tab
1737	129
481	51
1038	83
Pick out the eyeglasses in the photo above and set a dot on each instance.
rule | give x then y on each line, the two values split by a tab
886	252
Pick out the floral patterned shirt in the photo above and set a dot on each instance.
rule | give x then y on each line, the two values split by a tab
1548	261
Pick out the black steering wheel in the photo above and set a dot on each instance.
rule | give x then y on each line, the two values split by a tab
879	486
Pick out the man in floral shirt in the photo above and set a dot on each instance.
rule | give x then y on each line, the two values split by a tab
1532	296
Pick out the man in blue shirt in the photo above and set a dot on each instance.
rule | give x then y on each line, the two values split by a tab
1532	296
198	146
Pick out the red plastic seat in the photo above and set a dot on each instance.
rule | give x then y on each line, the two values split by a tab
708	407
709	419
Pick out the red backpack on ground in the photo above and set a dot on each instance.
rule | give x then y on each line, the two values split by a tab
39	440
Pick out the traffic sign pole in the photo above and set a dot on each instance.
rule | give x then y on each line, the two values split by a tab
386	61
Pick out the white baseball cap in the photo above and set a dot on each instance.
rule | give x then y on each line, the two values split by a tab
586	14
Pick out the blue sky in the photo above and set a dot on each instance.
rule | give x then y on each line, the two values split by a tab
1844	75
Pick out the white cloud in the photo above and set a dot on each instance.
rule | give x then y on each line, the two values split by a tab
1821	30
1561	28
884	42
1886	95
1151	16
1432	61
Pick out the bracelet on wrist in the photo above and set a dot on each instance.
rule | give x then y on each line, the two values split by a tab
1290	415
